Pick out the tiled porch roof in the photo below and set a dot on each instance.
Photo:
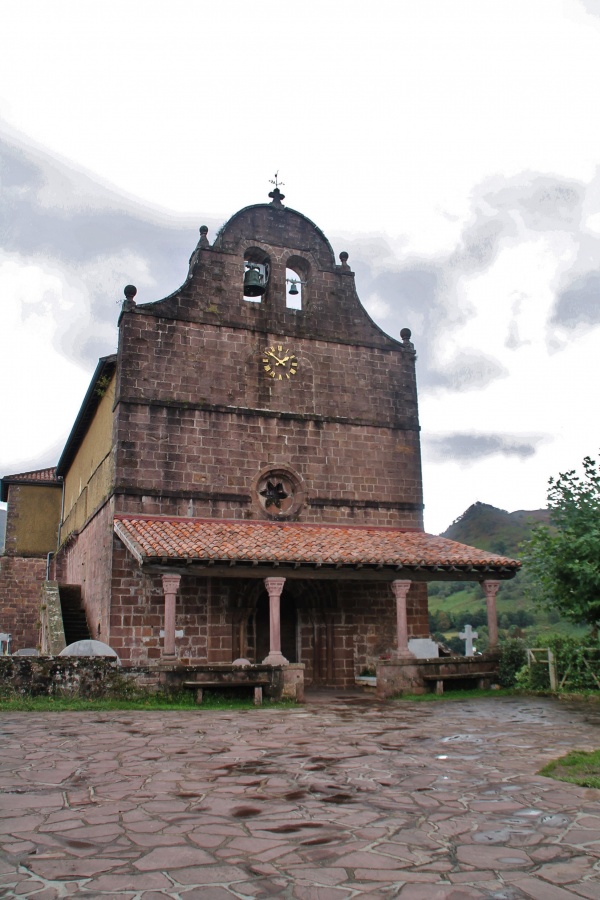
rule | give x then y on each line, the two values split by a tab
38	476
221	541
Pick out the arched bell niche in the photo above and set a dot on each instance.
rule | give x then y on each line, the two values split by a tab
296	281
257	271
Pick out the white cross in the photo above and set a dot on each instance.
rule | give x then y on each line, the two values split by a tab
468	636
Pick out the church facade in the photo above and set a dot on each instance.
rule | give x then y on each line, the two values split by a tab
243	479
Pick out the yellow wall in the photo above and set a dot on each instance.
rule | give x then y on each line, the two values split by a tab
35	520
90	477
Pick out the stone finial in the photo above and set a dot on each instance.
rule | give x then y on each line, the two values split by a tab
276	197
203	244
405	334
344	259
130	291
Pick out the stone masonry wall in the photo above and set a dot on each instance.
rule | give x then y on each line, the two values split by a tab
86	559
20	596
198	417
204	463
137	616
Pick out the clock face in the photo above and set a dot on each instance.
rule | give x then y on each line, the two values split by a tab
279	362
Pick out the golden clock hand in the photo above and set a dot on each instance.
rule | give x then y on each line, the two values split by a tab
276	358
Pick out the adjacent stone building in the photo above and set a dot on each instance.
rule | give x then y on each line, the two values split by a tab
244	478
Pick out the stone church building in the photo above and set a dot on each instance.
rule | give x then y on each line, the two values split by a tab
243	478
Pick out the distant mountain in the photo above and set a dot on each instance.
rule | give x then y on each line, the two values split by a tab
495	530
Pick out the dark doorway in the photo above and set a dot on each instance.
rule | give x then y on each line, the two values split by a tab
289	628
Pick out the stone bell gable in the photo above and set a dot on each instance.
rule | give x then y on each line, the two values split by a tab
217	389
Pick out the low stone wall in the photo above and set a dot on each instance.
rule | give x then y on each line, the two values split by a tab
59	676
409	676
95	677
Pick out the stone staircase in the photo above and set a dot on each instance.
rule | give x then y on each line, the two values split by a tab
73	614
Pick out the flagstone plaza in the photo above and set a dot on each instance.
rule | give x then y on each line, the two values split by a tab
343	797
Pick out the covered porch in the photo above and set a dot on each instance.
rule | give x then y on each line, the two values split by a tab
329	598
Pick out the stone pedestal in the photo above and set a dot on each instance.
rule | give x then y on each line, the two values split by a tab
293	682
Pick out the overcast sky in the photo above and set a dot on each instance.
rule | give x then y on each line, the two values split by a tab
451	148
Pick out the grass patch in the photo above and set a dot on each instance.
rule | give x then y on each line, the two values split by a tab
577	767
474	694
212	700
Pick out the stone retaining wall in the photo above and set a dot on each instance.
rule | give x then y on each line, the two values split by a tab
97	677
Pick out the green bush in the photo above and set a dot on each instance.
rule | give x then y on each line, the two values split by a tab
513	658
577	661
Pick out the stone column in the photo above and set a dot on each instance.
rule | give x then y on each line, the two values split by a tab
491	589
274	588
401	589
170	588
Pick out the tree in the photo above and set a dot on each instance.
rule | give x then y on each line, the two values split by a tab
564	559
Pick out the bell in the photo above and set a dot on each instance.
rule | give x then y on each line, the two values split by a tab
254	285
294	288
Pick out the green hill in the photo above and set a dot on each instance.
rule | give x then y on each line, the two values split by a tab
453	604
496	530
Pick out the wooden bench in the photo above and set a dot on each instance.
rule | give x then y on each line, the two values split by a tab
199	687
455	676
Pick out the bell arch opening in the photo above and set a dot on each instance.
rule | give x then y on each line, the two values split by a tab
296	279
257	270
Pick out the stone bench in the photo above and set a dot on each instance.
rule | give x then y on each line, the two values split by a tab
200	686
439	679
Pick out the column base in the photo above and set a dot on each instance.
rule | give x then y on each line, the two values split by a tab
403	654
275	658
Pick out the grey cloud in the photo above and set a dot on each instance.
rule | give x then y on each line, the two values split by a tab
470	447
579	304
77	234
95	240
468	371
591	7
543	202
481	242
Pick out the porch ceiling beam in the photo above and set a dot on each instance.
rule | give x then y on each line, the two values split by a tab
312	571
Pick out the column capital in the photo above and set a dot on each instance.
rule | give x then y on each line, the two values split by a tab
400	587
170	583
490	587
275	584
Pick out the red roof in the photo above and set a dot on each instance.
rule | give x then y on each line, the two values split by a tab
163	538
48	476
38	476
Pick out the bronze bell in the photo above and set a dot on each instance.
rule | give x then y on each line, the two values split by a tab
294	288
254	284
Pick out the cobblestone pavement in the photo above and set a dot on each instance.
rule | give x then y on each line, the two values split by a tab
344	797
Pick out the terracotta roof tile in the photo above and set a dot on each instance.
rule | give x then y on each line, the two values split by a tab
290	543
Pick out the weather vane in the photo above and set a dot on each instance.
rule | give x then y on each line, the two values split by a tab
276	181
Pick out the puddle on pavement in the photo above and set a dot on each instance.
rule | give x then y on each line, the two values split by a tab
319	840
498	835
337	798
554	821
